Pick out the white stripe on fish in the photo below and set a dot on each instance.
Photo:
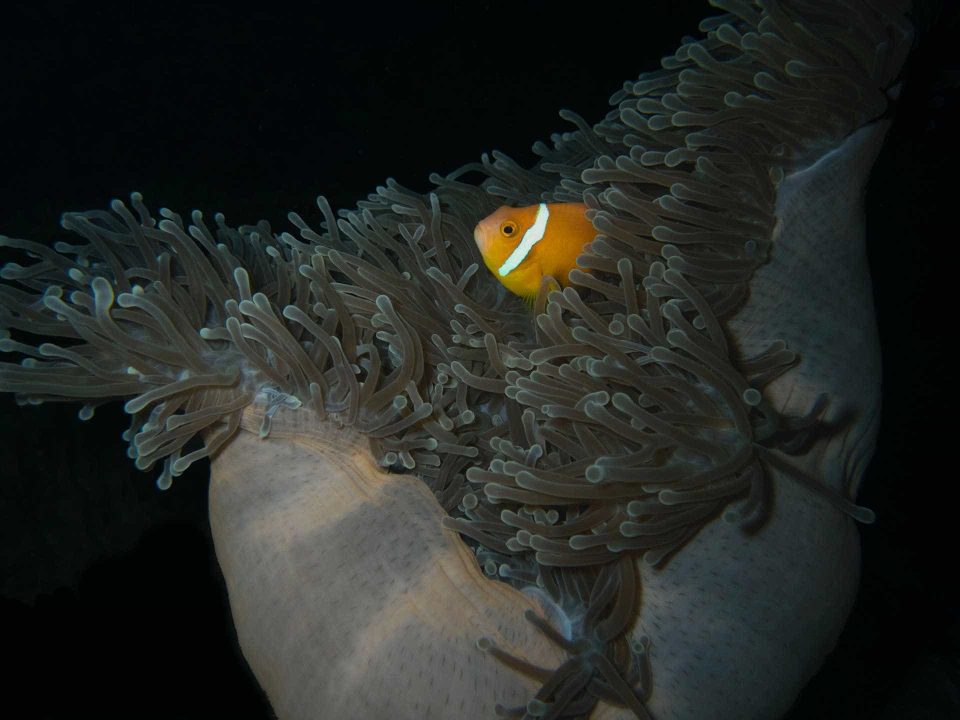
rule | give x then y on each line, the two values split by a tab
530	238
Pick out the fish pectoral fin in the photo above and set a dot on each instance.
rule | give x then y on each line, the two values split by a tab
548	284
538	302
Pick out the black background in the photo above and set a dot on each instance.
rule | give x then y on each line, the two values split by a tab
111	603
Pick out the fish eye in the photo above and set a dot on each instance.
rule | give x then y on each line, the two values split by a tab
509	228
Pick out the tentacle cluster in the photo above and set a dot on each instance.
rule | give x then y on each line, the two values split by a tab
614	422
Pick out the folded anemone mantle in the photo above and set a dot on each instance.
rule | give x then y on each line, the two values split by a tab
431	501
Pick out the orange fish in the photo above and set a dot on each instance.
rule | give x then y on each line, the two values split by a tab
521	245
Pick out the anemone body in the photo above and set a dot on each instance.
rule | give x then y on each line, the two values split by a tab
339	613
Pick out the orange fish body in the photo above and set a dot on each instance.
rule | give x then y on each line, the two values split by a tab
521	245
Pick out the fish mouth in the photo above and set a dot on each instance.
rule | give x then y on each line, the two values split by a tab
480	238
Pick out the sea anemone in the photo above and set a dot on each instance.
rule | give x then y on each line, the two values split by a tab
603	483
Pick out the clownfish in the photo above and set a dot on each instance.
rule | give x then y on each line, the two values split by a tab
522	245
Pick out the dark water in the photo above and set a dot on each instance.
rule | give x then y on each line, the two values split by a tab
112	604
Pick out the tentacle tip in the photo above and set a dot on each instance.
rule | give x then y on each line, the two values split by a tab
863	515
